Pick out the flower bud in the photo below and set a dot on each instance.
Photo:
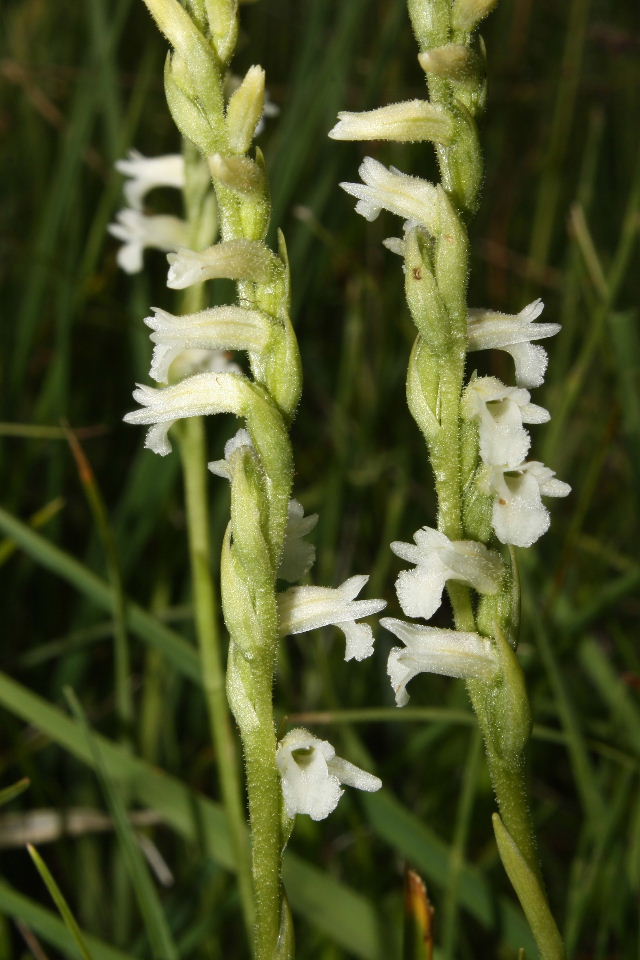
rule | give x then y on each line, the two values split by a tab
453	61
240	174
245	109
406	122
223	23
467	14
187	116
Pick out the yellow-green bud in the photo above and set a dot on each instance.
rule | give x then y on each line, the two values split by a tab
240	174
245	109
467	14
453	61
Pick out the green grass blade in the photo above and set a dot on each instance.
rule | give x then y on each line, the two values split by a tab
182	656
156	924
430	856
47	925
341	913
10	793
58	898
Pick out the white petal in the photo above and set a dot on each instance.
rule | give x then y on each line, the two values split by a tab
359	637
353	776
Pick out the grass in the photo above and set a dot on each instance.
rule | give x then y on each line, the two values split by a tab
84	587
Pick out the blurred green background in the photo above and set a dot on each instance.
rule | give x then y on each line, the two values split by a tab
81	84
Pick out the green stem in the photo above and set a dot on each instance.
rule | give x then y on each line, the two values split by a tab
194	465
265	800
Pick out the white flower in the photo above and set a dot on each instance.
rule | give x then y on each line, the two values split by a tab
407	122
409	197
514	333
519	515
308	608
438	559
431	650
222	468
197	396
217	328
312	773
501	412
298	556
145	173
233	259
138	232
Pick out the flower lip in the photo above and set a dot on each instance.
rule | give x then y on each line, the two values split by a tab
312	775
519	515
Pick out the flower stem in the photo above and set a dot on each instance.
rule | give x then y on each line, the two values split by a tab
194	466
264	790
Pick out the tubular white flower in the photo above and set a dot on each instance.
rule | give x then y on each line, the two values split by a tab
302	609
298	556
146	173
406	122
431	650
139	232
519	515
438	559
409	197
513	334
501	412
233	259
312	773
217	328
197	396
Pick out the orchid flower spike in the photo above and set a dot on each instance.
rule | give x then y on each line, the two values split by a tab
513	334
311	775
438	559
519	515
139	232
501	412
146	173
431	650
409	197
307	608
217	328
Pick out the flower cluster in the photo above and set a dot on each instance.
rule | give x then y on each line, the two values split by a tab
503	477
191	354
